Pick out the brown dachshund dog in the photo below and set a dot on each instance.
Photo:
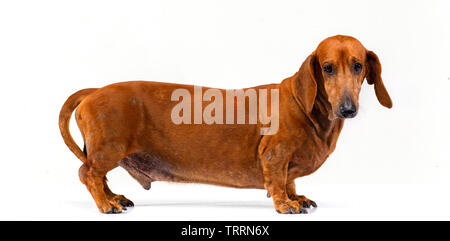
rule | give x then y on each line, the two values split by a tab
129	124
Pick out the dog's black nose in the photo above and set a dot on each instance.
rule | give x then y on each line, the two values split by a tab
348	109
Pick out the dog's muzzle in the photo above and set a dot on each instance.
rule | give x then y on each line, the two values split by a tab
347	109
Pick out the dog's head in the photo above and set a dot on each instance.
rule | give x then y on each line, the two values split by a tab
336	71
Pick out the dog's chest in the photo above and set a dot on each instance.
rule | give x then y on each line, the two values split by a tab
310	154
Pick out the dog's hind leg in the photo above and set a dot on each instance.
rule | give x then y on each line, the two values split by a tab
93	174
121	199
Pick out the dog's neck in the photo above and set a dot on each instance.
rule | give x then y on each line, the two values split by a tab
321	116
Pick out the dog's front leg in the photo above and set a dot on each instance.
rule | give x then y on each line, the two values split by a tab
275	176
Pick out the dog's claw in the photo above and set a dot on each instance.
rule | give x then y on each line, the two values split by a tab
305	204
126	203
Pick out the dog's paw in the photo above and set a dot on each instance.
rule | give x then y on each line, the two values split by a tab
112	211
303	201
110	207
289	207
123	201
115	204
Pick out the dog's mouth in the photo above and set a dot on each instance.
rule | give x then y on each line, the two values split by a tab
346	116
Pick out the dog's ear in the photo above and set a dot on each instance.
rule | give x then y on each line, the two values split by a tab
305	83
373	76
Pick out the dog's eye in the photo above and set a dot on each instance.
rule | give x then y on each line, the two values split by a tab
357	67
328	69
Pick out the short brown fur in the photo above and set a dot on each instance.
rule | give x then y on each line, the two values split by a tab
129	124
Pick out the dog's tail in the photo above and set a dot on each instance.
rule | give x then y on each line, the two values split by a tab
64	118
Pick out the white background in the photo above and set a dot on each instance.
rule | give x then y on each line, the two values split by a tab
388	164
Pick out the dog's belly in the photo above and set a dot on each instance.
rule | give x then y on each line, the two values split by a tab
147	167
